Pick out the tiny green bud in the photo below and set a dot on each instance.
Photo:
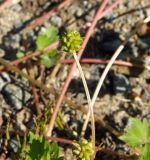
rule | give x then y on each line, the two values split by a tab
71	41
83	149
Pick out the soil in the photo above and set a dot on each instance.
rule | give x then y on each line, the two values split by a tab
125	93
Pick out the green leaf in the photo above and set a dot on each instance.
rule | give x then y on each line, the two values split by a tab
145	155
49	59
54	150
39	148
20	54
138	134
52	33
42	42
52	53
46	38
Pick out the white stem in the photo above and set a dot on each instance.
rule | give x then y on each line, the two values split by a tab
90	110
102	78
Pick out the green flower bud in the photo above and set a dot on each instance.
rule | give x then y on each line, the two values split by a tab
83	149
71	41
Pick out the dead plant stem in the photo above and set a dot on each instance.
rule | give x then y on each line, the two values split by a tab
112	60
90	109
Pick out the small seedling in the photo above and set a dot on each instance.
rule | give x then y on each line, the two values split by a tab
38	148
44	39
43	120
138	135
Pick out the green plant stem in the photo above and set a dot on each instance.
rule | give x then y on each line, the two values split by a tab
90	110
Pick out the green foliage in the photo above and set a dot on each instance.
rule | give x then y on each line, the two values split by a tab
139	136
44	120
42	42
20	54
38	148
145	155
7	130
83	149
46	38
49	59
71	41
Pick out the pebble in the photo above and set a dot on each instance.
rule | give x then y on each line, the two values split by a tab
147	61
14	144
79	12
22	117
2	52
4	79
16	96
121	84
12	40
56	20
144	43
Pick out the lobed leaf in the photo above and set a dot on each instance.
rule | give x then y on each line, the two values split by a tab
145	155
46	38
138	133
49	59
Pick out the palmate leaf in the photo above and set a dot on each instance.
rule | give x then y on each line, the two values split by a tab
42	42
52	34
145	155
20	54
46	38
49	59
41	149
138	134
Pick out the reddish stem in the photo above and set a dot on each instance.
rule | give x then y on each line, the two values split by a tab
61	140
102	61
36	101
33	54
5	4
44	17
98	16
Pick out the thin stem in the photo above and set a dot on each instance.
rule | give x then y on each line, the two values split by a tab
67	82
90	110
103	61
33	54
5	4
45	16
106	70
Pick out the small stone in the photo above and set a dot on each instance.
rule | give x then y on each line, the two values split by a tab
16	95
23	117
4	79
79	12
147	61
14	144
15	1
57	21
121	84
2	52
